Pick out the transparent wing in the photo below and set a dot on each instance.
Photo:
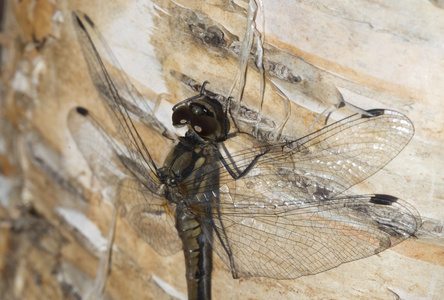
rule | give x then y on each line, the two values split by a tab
151	216
137	193
285	218
94	144
320	165
290	241
148	213
120	97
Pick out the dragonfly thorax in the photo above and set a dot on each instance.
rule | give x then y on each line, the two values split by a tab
182	160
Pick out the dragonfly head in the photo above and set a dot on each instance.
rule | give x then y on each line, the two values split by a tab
203	115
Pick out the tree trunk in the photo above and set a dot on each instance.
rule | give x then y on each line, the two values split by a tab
55	214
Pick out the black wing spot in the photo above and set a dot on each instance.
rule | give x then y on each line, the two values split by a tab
82	111
383	199
89	20
79	22
374	113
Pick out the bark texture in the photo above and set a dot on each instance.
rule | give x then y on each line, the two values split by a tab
54	215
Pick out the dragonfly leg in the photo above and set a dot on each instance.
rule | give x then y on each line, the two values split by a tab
245	171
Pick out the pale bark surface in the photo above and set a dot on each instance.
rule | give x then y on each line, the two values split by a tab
379	54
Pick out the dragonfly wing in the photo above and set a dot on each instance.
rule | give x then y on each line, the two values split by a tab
286	217
151	216
96	147
97	53
347	152
322	164
133	184
121	98
289	241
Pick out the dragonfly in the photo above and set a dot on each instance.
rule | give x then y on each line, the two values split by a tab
280	210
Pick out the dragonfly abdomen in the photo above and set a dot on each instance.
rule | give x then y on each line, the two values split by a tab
197	257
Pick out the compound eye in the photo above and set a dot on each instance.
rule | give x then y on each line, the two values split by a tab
182	116
204	125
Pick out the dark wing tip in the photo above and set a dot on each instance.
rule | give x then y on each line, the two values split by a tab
88	19
77	19
374	113
82	111
383	199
